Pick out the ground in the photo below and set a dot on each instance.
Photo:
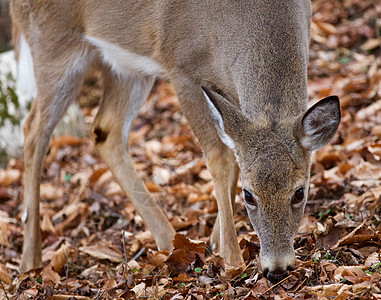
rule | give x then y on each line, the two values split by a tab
90	228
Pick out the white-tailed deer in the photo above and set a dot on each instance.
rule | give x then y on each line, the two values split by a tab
239	69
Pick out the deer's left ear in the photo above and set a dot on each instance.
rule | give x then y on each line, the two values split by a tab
226	117
320	123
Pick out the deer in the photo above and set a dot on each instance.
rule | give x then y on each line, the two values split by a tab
239	70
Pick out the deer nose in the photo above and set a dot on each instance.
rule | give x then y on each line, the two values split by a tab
277	274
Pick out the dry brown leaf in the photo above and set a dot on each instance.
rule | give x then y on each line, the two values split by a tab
82	177
103	250
307	224
10	176
353	274
50	192
160	176
144	236
376	131
46	224
4	234
113	189
60	257
74	219
326	27
158	258
343	239
368	171
152	187
65	297
373	259
29	293
65	140
178	223
140	290
261	286
357	288
103	179
4	274
183	278
193	198
97	173
184	252
371	44
327	291
204	174
49	275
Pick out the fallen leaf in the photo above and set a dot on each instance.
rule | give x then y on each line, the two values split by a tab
371	44
103	250
49	275
10	176
184	253
4	274
60	257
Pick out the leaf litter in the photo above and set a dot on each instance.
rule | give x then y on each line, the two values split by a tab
85	213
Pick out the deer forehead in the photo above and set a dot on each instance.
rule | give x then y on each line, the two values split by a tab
274	173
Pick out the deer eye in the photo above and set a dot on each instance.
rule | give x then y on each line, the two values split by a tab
298	196
249	199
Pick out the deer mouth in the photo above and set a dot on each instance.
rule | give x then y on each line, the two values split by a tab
277	275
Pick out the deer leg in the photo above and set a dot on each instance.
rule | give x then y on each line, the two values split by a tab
57	87
123	97
232	188
223	167
221	164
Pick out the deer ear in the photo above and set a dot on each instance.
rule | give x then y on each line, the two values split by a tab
320	123
226	116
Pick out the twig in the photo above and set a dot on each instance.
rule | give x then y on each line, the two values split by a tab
102	293
139	254
376	20
67	269
125	258
278	283
250	263
299	285
4	289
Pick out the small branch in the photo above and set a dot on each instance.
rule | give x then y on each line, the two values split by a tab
125	258
270	288
139	254
67	269
4	290
102	293
376	21
299	285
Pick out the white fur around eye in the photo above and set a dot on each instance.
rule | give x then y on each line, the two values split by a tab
299	204
248	205
251	206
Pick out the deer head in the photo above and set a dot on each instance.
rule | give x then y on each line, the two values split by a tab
274	156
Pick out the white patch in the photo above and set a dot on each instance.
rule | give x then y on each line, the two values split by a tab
25	70
24	216
313	155
307	142
220	124
300	204
122	61
272	261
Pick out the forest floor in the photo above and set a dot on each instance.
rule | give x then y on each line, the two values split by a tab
95	246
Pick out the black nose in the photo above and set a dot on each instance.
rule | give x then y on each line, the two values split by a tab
276	275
